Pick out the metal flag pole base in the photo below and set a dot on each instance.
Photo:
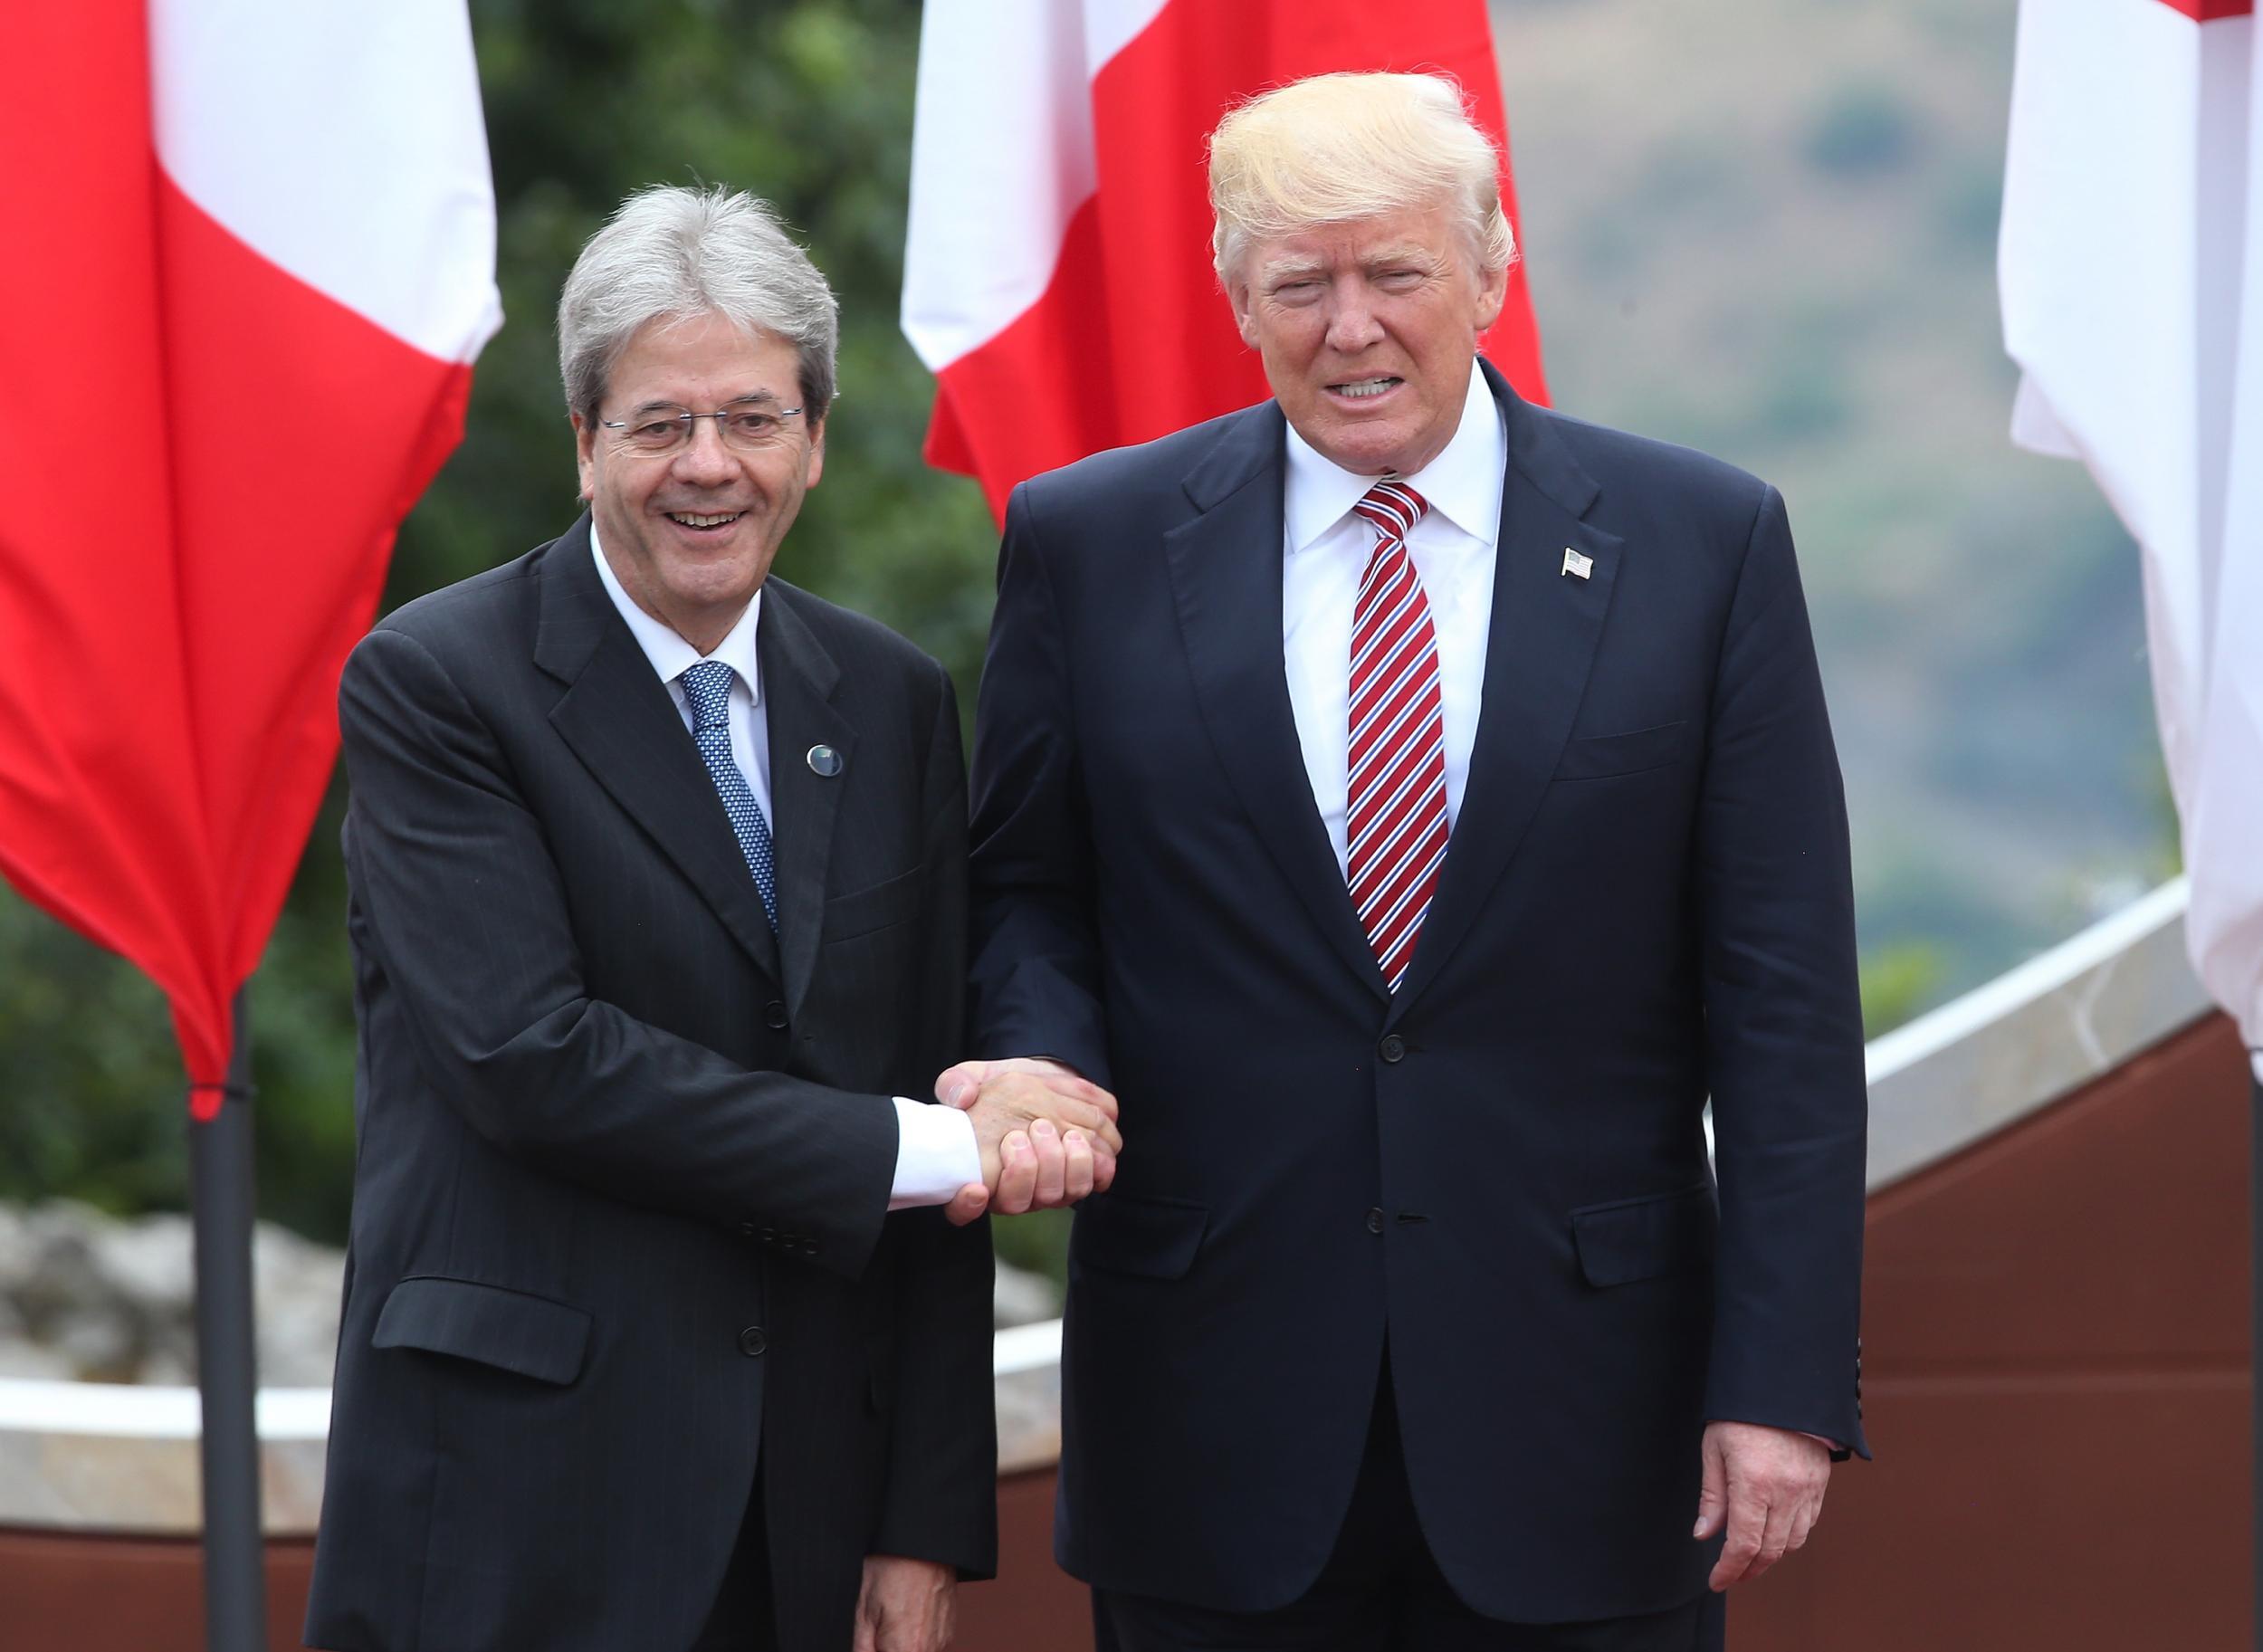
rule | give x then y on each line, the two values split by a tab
227	1373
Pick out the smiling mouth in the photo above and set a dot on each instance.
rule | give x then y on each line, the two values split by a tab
704	524
1360	388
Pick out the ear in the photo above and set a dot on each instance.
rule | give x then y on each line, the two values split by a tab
815	468
1492	291
1237	294
584	455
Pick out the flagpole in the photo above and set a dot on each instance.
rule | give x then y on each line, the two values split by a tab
227	1374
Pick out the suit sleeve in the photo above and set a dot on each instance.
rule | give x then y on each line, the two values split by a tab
1036	974
465	907
941	1502
1783	1017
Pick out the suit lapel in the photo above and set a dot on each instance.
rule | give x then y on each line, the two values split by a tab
617	718
1226	575
799	679
1546	624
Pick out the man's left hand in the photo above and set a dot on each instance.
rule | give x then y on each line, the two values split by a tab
1768	1484
904	1605
1045	1166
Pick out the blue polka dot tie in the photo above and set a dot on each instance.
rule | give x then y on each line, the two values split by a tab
707	686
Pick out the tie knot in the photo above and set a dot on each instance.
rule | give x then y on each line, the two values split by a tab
1393	506
707	686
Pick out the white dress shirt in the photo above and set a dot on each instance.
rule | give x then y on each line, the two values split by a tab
1327	549
935	1148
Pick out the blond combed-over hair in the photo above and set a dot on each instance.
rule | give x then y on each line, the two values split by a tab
1334	148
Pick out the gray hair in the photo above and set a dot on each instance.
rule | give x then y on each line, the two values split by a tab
1333	148
672	253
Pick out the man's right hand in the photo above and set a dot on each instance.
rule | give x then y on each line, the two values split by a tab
1047	1138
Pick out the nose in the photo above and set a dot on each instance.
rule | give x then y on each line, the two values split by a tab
1352	324
704	461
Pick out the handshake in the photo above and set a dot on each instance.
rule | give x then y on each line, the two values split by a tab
1047	1138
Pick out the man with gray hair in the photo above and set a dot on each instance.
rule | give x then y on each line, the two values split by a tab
1415	804
667	1320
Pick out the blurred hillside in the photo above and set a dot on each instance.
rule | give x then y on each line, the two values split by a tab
1768	229
1765	229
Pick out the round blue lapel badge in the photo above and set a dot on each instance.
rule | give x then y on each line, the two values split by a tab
824	761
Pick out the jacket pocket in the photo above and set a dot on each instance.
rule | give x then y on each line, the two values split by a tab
510	1330
1124	1233
1640	1238
1603	755
876	906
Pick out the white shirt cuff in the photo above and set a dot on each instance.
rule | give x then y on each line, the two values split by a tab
935	1154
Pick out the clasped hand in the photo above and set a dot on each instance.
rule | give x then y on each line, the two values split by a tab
1047	1138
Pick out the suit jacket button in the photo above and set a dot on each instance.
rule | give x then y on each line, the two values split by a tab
748	1230
773	1016
752	1342
809	1247
1375	1221
1392	1049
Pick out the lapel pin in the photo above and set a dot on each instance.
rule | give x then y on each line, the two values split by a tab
1576	565
824	761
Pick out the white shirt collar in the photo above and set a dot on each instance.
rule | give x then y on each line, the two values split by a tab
670	654
1463	483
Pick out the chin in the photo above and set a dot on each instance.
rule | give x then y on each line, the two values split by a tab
1366	451
711	585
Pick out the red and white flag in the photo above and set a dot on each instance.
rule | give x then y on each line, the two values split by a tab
250	258
1057	278
2132	271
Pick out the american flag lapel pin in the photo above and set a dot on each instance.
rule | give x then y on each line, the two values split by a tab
1577	566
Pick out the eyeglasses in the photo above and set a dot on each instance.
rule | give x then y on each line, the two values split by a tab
655	431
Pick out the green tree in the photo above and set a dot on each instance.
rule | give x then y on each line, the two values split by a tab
1899	982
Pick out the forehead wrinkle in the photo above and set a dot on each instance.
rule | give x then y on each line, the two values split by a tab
1402	252
760	398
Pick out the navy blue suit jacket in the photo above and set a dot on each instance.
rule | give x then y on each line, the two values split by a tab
1502	1168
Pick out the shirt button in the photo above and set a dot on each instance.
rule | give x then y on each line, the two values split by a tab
752	1342
1392	1049
773	1016
1375	1221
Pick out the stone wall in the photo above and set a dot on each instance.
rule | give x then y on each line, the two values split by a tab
87	1296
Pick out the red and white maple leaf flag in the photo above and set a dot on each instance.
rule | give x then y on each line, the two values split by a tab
1057	276
2131	272
251	259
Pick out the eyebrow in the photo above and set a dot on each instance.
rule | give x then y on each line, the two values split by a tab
1408	254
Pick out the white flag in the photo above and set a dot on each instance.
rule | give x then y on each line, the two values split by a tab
2132	254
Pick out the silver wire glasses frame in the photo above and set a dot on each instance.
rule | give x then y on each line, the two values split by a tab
746	429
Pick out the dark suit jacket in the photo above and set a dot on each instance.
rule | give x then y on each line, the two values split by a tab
625	1158
1502	1168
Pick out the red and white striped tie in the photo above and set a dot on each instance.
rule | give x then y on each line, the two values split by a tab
1396	796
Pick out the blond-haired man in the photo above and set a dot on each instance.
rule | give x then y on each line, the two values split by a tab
1414	804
